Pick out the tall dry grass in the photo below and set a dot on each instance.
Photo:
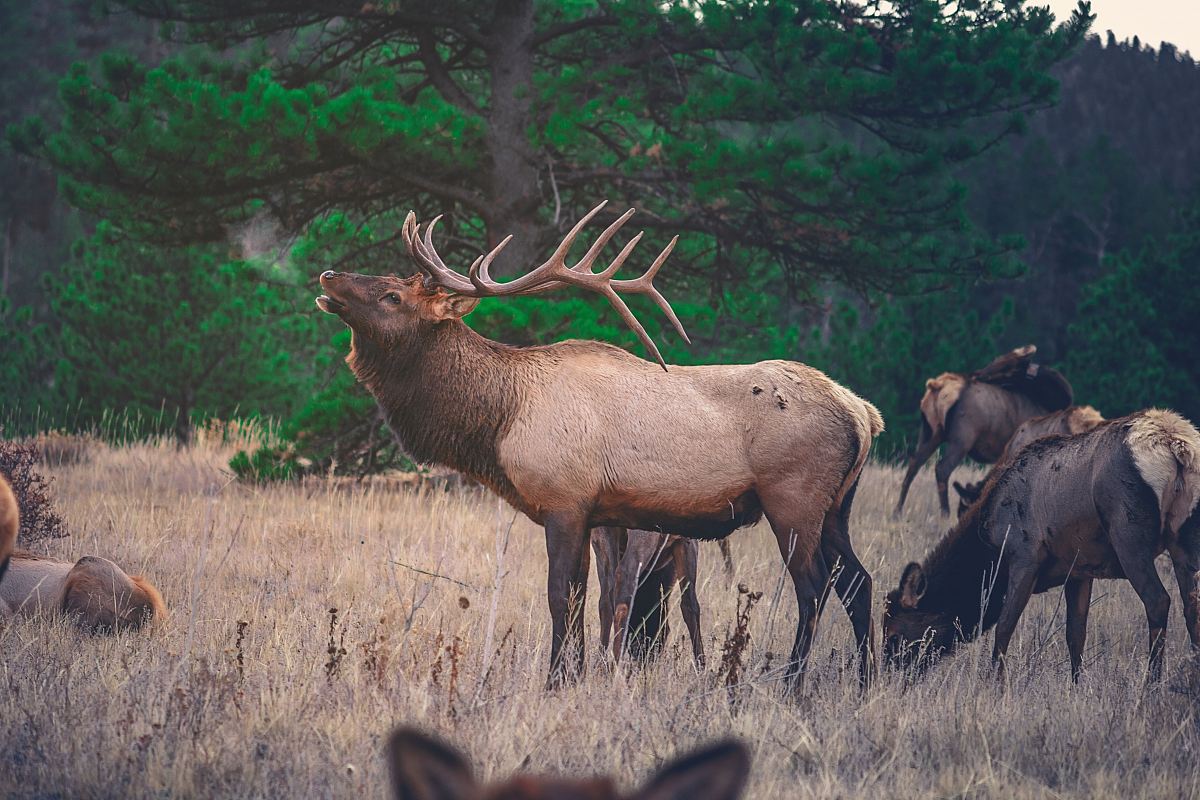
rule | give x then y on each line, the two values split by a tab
255	688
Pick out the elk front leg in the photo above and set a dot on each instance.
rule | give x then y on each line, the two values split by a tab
927	442
689	604
566	590
1021	579
1078	593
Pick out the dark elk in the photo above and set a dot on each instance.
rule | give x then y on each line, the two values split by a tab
1066	511
976	414
637	571
581	434
1069	421
424	768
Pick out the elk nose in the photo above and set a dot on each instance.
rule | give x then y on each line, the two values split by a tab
327	274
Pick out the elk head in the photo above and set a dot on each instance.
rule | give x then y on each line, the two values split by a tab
912	636
387	310
424	768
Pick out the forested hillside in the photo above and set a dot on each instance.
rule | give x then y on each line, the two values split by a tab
885	197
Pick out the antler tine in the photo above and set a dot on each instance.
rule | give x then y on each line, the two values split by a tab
645	285
436	268
585	263
478	273
623	310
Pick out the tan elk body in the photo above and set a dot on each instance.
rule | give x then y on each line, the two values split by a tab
97	593
581	434
976	414
10	524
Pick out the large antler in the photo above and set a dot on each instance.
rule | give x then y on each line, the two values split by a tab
553	274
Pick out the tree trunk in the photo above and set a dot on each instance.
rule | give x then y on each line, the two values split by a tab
513	184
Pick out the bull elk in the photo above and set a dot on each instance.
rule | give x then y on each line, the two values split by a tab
975	414
1066	511
580	434
424	768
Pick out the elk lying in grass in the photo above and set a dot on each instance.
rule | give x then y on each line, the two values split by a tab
1066	511
10	523
976	414
637	571
1069	421
94	591
424	768
581	434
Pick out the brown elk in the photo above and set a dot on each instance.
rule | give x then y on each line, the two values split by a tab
637	571
424	768
976	414
1071	420
94	591
10	523
581	434
1066	511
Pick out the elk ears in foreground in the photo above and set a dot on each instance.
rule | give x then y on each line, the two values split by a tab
912	585
717	772
424	768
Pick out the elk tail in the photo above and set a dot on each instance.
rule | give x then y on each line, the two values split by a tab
1166	451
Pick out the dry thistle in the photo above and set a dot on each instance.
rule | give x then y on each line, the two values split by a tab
733	651
337	646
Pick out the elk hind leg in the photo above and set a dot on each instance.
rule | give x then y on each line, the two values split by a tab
852	583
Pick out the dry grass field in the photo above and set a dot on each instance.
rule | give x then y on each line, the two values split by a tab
255	688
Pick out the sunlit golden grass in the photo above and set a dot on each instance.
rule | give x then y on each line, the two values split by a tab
437	625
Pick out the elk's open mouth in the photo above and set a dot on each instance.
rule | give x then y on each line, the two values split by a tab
329	305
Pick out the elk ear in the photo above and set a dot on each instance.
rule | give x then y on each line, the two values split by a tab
718	772
443	306
912	585
424	768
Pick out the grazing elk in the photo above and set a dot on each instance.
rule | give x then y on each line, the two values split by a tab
10	523
581	434
1066	511
976	414
1069	421
95	591
637	571
424	768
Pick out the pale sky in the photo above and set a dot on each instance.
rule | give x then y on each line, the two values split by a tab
1153	21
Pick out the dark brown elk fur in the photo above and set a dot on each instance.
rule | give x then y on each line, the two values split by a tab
1066	511
10	523
582	434
1068	421
424	768
637	571
976	414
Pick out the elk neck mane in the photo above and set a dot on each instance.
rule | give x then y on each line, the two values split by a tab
449	395
964	568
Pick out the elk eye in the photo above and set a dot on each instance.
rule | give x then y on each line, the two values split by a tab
392	298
